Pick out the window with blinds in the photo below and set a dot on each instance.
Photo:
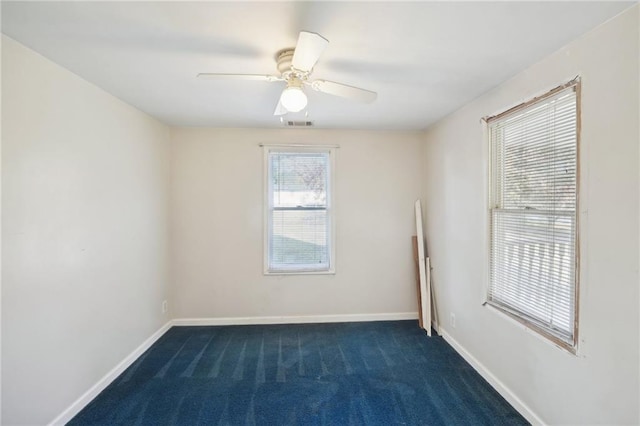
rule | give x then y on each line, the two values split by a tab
299	211
533	205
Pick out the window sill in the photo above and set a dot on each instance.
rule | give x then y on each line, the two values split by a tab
277	272
531	328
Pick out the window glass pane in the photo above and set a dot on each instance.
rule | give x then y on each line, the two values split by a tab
299	179
539	158
532	266
299	239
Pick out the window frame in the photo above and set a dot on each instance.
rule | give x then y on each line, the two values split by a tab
330	209
572	345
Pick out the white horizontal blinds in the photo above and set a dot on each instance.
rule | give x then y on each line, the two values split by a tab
299	211
533	214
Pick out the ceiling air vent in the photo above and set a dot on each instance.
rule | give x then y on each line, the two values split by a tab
301	123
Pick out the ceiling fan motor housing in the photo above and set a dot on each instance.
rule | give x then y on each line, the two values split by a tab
284	59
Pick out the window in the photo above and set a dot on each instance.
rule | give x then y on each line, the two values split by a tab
299	210
533	222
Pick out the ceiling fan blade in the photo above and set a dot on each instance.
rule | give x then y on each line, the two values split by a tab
308	50
280	109
343	90
256	77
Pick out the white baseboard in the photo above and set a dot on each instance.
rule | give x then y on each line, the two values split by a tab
502	389
300	319
88	396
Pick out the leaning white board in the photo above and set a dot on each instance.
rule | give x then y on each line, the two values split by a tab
425	286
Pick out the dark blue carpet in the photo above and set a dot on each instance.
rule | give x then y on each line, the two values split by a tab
367	373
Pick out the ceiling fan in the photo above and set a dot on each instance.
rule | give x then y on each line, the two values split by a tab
295	67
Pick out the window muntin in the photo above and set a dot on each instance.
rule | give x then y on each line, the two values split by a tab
299	211
533	220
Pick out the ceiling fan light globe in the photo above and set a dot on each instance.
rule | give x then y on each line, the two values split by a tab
293	99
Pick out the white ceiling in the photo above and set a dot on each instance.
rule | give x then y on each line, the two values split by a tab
425	59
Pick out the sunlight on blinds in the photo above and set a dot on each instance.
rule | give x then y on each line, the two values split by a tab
298	211
533	213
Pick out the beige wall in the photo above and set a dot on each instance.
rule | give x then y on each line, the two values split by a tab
600	385
217	215
89	197
85	242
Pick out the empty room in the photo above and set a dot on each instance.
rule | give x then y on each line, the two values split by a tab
320	213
